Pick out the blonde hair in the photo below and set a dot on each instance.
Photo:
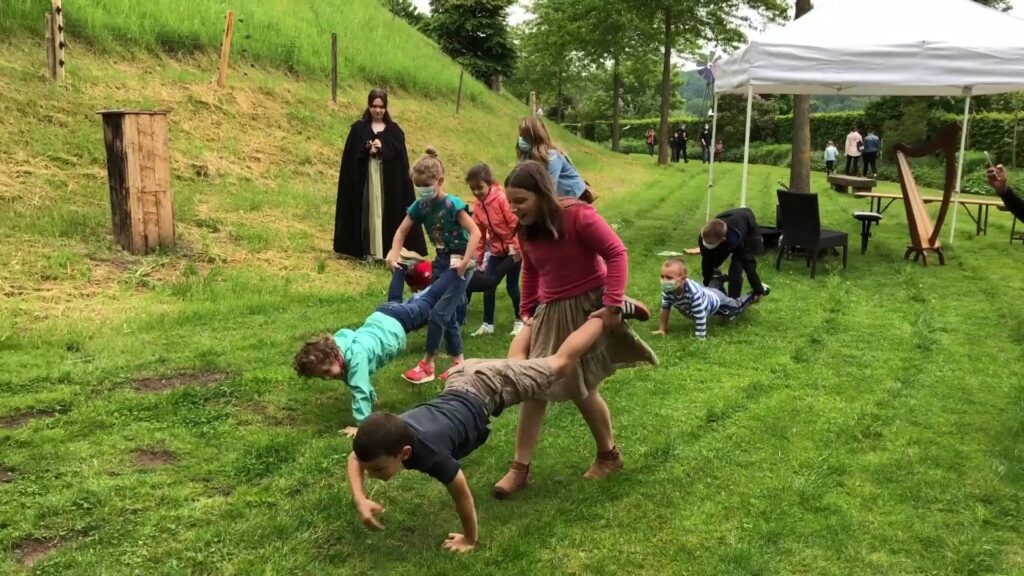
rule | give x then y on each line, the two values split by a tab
677	262
428	166
714	231
534	129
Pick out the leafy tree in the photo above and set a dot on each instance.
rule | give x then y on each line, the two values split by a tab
686	25
475	33
407	11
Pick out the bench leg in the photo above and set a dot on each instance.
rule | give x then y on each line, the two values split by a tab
865	233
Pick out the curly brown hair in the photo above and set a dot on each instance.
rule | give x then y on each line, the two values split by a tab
316	356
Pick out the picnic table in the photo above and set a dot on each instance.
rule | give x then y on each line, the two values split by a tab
842	183
980	218
1014	235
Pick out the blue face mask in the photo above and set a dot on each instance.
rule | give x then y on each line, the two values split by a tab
426	192
669	285
524	145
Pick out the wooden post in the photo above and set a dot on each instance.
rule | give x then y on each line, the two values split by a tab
51	55
139	175
225	49
57	40
533	104
458	98
334	68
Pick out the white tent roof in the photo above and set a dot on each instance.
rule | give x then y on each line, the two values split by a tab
884	47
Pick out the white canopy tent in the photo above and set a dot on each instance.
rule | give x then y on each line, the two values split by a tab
880	48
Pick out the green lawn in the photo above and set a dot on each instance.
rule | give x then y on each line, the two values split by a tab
866	422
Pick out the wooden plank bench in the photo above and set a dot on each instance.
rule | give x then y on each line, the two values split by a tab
843	183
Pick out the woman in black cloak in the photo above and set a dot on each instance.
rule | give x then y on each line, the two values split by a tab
374	186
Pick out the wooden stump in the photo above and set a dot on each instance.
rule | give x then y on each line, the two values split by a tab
139	174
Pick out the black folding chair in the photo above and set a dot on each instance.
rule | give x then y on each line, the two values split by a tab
801	227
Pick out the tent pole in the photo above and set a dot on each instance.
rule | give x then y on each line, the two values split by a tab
960	162
711	166
746	146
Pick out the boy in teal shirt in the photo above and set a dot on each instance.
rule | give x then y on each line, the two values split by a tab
355	355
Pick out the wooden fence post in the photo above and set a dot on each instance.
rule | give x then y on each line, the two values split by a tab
533	104
334	68
458	98
56	41
51	56
225	49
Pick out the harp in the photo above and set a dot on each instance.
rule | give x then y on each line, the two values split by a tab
924	234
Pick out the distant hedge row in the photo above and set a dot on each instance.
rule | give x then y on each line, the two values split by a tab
991	131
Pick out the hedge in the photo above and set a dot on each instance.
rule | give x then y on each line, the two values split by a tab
991	131
928	172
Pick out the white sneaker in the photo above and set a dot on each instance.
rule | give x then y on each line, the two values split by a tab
516	328
484	330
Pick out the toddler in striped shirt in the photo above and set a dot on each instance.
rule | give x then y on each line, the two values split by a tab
694	300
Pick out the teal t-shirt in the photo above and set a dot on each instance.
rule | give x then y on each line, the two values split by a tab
440	218
365	350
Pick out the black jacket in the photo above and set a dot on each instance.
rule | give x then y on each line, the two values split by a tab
397	191
743	242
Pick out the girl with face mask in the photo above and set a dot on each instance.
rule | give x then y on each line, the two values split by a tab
455	237
535	144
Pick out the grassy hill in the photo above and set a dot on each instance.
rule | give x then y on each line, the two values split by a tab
867	422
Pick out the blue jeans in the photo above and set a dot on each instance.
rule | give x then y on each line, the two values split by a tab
498	267
414	314
443	321
729	307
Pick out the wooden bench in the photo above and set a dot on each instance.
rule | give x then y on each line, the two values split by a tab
843	183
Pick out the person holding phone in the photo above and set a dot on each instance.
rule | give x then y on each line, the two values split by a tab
997	180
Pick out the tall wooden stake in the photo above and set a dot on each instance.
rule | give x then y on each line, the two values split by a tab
533	104
57	41
334	67
51	56
458	99
225	49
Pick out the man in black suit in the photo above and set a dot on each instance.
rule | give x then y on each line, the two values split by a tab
733	234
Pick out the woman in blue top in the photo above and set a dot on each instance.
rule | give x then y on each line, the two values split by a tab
535	144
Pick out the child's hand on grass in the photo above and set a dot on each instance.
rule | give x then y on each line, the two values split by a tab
350	431
458	543
659	332
368	510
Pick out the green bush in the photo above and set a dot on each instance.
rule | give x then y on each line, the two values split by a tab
928	172
991	131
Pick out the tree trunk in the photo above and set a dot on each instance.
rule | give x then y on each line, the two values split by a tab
800	162
561	105
666	90
616	105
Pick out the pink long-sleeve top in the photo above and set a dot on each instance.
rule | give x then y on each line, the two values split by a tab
588	254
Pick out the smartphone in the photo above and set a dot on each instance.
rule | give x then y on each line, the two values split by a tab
989	159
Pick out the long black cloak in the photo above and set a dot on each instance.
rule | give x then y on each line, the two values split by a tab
396	191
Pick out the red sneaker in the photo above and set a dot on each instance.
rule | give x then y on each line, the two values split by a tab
446	373
421	374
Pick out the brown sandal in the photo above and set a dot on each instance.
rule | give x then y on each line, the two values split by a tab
516	479
606	464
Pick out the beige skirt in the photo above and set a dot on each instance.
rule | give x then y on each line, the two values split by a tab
619	348
375	212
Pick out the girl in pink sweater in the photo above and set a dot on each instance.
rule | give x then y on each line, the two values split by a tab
574	268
